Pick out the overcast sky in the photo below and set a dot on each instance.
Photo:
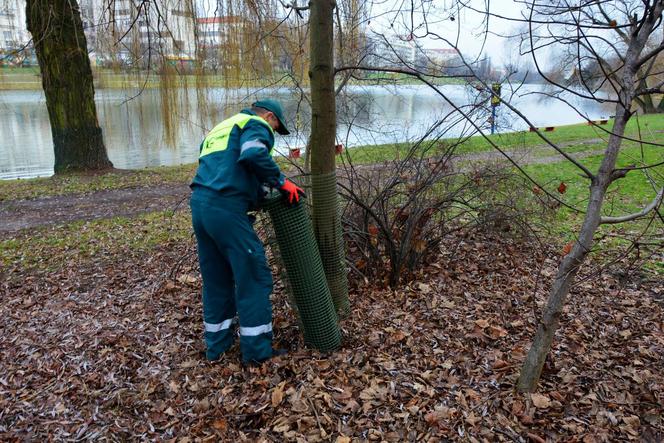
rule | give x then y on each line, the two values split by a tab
392	17
445	19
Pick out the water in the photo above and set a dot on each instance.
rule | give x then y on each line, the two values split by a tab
136	136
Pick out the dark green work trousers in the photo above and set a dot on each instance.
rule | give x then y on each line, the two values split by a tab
236	278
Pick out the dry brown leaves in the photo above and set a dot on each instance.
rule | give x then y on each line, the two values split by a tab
112	348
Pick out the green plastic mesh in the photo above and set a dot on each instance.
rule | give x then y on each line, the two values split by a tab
330	242
306	278
265	232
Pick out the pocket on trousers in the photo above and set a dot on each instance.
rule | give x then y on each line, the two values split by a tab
259	268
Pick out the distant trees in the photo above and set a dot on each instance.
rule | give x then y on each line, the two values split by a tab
596	61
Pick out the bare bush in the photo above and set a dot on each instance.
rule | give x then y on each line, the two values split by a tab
397	212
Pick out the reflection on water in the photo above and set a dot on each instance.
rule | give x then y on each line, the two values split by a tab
136	137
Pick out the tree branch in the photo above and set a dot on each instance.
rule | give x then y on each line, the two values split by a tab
625	218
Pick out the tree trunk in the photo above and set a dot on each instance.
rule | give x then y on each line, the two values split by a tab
61	49
325	204
532	367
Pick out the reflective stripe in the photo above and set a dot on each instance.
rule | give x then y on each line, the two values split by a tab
217	139
216	327
256	330
252	144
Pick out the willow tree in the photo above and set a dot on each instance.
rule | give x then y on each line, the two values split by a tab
57	33
325	206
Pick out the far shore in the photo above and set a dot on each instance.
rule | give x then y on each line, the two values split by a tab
29	79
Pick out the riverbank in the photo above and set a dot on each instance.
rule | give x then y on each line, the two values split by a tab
35	205
525	147
29	79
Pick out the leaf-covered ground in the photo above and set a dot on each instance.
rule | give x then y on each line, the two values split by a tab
108	346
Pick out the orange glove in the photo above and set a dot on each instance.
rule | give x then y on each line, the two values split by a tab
291	191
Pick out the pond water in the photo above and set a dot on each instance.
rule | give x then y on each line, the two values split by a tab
136	135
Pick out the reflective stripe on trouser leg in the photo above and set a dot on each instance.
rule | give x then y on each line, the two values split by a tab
218	287
252	295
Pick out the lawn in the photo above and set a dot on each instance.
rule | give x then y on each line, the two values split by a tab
573	138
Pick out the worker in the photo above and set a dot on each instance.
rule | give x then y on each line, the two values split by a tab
234	168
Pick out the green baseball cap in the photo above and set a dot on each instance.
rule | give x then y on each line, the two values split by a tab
274	107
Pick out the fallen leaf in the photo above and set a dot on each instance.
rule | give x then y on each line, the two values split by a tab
562	187
187	279
278	394
632	421
482	323
496	332
425	288
540	401
220	424
536	438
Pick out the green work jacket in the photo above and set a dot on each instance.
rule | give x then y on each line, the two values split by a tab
235	162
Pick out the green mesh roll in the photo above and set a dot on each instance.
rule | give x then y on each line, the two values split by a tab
299	253
331	243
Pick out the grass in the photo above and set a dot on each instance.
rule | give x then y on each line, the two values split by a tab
49	248
651	127
29	78
624	196
84	182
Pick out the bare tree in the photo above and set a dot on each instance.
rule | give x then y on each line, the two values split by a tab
582	27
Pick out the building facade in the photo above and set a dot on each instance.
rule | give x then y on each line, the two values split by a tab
13	32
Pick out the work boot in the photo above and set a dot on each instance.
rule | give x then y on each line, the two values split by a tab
275	353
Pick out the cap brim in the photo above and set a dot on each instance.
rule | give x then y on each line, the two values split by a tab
282	128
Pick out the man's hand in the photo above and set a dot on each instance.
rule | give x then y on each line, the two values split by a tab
291	191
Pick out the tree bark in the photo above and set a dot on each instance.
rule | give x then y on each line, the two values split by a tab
61	49
532	367
325	204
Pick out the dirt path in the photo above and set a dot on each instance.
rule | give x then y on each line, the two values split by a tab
23	214
16	215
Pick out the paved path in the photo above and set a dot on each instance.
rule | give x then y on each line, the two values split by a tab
16	215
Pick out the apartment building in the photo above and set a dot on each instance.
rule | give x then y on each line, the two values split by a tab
13	32
136	33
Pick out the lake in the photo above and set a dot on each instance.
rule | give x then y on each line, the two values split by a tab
137	134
